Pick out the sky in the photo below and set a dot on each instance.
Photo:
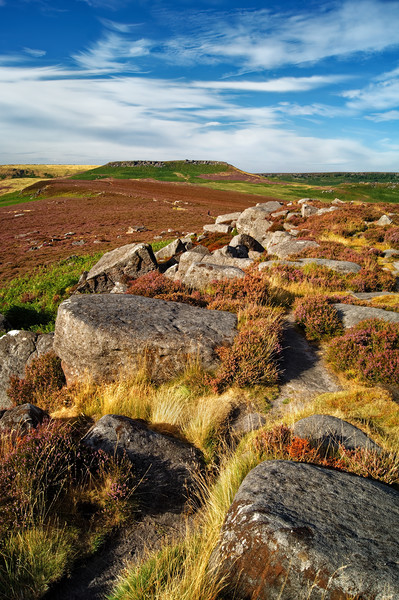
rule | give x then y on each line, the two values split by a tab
269	87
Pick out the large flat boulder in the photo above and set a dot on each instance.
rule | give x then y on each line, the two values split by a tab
283	244
255	221
351	315
165	466
299	531
130	261
101	334
199	275
18	349
328	433
339	266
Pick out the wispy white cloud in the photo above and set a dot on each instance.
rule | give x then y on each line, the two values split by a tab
279	85
390	115
260	39
82	121
112	52
119	27
377	96
36	53
111	4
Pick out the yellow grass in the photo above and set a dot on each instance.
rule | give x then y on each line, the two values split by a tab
371	409
195	415
8	184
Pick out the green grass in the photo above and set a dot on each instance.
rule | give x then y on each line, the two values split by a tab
31	301
16	198
326	179
171	171
367	192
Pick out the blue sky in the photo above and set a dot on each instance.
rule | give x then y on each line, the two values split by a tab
273	87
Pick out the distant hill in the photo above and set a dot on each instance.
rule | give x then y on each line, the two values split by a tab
190	171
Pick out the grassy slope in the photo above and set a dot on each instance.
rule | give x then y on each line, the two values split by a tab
14	178
172	171
363	187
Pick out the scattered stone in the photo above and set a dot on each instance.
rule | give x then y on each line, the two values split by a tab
296	530
192	256
166	466
351	315
291	215
337	201
384	220
242	239
282	244
128	261
215	228
200	274
340	266
227	256
78	243
104	334
280	213
390	252
307	200
18	349
328	433
229	219
247	423
136	229
254	220
170	250
22	418
307	210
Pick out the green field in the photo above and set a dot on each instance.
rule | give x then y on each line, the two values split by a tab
367	192
333	178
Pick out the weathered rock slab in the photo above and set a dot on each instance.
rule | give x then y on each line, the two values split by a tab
102	334
328	433
242	239
217	228
254	221
351	315
170	250
18	349
199	275
339	266
129	261
166	465
229	219
300	531
283	244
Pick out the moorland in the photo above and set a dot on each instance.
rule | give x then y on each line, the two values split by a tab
74	522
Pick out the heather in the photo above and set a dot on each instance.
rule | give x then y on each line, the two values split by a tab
317	317
369	351
279	442
42	385
58	497
314	278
